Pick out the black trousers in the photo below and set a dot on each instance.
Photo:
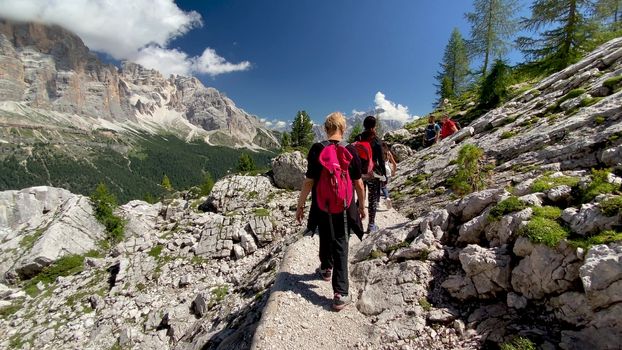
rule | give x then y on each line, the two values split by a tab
334	252
373	198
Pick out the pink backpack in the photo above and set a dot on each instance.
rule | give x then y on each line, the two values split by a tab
334	189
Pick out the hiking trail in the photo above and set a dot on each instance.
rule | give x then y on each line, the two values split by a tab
298	314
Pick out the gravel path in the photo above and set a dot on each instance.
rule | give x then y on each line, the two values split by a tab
298	314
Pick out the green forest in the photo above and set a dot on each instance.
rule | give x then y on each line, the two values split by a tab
136	175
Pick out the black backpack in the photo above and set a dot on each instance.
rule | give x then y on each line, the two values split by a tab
430	132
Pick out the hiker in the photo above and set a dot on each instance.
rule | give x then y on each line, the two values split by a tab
375	173
334	215
432	132
448	127
391	169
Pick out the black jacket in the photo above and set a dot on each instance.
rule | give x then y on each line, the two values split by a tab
376	149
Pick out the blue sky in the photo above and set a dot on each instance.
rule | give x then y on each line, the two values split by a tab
322	56
275	57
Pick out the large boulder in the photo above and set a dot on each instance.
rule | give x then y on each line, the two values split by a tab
472	205
544	270
237	193
41	224
401	152
289	170
602	275
589	220
488	269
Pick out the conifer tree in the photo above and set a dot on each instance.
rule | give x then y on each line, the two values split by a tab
166	183
357	129
286	141
564	25
452	78
302	131
492	26
246	163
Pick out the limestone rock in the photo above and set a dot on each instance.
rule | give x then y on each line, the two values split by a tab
546	271
289	170
401	152
489	269
472	205
588	220
602	275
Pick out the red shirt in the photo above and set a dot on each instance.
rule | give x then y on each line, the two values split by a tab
448	128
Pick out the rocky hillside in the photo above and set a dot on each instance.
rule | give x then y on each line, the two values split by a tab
49	77
179	279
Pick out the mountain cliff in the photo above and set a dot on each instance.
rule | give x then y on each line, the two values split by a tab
49	71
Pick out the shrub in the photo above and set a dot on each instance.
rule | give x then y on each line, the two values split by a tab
10	310
586	102
545	183
219	294
495	85
519	343
598	186
505	207
611	206
262	212
469	176
544	231
104	203
508	134
207	184
547	212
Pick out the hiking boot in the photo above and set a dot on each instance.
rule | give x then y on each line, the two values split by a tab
326	274
341	301
372	228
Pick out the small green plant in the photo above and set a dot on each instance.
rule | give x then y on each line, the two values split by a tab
375	254
252	195
544	231
469	176
599	120
262	212
28	241
546	182
612	83
397	246
219	294
413	180
605	237
10	310
571	94
155	251
611	206
425	304
508	134
519	343
506	206
547	212
93	253
598	186
589	101
65	266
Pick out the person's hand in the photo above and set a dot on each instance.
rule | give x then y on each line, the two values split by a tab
362	212
300	213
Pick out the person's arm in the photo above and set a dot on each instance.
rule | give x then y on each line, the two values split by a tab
360	194
454	127
393	164
307	185
377	154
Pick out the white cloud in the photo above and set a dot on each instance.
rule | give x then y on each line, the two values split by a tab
391	110
137	30
281	124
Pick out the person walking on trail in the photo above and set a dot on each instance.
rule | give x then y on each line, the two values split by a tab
391	169
432	132
377	169
448	127
333	174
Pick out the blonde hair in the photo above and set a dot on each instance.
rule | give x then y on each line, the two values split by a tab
335	121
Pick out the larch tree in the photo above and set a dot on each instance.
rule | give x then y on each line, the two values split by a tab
561	43
493	25
452	78
301	135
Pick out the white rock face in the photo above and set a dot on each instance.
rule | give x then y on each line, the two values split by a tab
44	224
289	170
588	220
401	152
488	269
602	275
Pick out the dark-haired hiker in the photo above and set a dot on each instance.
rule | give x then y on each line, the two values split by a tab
432	132
379	171
333	228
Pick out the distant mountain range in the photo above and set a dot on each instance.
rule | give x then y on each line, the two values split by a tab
49	77
357	118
